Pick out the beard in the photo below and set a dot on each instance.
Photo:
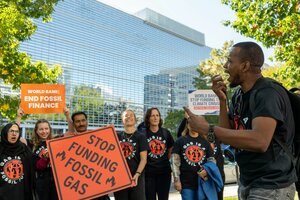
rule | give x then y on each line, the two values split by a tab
234	81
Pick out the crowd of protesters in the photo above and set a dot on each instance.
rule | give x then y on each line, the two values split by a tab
194	159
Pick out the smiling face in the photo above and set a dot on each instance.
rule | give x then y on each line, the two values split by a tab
13	134
128	118
43	130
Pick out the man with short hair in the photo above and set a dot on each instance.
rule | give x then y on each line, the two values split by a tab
78	123
266	170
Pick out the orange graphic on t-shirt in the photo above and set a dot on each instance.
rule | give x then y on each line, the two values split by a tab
194	153
127	149
157	147
13	169
43	151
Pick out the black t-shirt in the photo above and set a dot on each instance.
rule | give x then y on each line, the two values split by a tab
218	155
159	144
12	184
273	168
37	155
132	145
193	153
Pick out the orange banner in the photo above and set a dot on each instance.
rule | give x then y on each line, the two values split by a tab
89	165
42	98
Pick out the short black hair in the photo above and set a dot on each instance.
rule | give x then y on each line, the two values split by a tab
252	52
78	113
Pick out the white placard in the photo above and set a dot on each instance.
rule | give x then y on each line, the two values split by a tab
203	102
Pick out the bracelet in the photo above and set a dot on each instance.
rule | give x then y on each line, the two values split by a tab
138	173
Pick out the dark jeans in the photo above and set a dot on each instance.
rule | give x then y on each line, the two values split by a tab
248	193
133	193
158	184
189	194
45	187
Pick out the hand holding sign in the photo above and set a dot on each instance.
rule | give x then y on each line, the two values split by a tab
89	164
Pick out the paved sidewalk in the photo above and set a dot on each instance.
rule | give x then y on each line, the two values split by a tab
229	191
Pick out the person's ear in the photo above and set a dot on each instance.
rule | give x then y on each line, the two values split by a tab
246	66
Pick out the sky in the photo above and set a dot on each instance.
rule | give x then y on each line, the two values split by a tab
205	16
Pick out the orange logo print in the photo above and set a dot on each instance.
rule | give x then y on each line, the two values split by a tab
194	153
42	152
127	149
13	169
157	147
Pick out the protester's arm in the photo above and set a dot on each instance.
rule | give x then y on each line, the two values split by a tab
256	139
71	129
142	164
220	89
176	171
20	114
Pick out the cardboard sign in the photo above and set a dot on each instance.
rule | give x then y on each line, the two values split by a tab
89	165
42	98
203	102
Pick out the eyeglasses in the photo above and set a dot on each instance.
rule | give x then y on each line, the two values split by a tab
14	131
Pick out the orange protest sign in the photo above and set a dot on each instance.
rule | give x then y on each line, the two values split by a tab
42	98
89	165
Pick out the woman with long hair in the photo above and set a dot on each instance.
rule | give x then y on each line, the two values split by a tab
193	167
158	169
45	186
134	147
16	169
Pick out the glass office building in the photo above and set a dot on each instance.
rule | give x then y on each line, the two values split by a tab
113	60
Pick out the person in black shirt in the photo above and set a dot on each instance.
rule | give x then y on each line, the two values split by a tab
158	169
190	153
266	170
45	185
134	146
16	166
217	152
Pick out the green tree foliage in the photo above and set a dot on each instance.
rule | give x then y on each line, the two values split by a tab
89	100
212	66
289	76
16	26
274	23
172	121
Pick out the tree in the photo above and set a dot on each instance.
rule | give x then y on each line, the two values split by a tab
213	66
172	121
16	26
289	76
89	100
273	23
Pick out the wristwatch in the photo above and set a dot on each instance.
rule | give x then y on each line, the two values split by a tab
211	134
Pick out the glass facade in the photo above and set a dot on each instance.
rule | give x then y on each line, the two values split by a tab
112	60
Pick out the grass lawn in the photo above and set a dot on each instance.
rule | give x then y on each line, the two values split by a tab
230	198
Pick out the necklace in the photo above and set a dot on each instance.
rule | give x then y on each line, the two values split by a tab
127	138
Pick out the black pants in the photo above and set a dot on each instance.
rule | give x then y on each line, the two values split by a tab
45	186
158	184
133	193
